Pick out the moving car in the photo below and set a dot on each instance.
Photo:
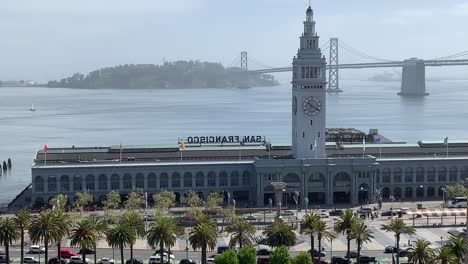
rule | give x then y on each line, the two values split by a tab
106	261
322	261
366	259
134	261
165	253
3	259
35	249
365	210
188	261
287	213
390	249
87	251
66	253
318	254
211	258
32	260
78	260
339	260
335	212
56	261
352	254
324	215
388	213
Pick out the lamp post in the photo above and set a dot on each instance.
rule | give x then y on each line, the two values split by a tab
422	190
306	200
443	196
392	199
361	189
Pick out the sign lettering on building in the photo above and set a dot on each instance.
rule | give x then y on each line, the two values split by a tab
224	140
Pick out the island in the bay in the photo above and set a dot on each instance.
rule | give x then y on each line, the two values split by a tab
179	74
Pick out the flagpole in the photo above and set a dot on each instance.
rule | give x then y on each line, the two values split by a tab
45	158
380	148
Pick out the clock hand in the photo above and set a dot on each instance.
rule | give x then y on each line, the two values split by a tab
313	106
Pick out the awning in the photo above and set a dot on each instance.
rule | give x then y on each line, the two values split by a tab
438	212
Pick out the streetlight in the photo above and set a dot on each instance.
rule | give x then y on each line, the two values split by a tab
392	198
361	189
443	195
422	190
306	200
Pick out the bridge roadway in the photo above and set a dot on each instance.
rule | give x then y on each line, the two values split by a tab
390	64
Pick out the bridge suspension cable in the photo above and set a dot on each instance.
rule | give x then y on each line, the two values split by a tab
234	62
256	62
347	47
453	56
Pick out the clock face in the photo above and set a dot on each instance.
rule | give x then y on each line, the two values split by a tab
312	106
294	105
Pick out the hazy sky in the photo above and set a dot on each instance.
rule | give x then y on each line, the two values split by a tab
52	39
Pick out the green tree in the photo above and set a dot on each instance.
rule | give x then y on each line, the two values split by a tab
214	200
344	225
227	257
398	226
83	199
279	234
59	201
193	202
43	229
303	258
362	234
308	227
443	255
163	232
458	247
164	200
62	228
120	235
419	252
134	201
203	236
9	232
136	224
226	213
242	232
280	256
247	255
456	190
98	227
112	201
83	236
23	218
322	231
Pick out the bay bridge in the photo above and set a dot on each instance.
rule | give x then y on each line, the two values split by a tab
413	81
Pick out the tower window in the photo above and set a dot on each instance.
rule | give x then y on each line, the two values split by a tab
311	147
303	72
303	134
318	134
311	123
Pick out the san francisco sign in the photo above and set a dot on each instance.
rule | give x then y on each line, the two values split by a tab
224	140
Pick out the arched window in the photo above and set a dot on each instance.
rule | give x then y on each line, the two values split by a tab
316	180
152	181
453	174
342	179
442	174
163	180
200	179
64	183
430	174
409	174
175	180
140	181
77	183
430	192
127	181
420	192
408	192
386	175
397	192
246	178
223	180
52	183
115	182
90	182
397	175
102	182
234	178
188	179
420	174
211	179
39	183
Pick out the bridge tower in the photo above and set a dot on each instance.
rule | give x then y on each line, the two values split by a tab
413	78
308	95
244	70
333	80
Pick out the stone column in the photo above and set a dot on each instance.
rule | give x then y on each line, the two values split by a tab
279	188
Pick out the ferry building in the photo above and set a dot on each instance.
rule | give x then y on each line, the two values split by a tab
340	170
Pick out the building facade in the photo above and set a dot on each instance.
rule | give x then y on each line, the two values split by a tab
326	173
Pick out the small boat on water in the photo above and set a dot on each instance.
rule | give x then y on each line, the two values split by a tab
32	109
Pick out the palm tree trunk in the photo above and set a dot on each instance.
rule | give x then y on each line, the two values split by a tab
359	252
131	252
398	248
312	246
319	238
46	253
83	255
161	247
95	253
7	252
59	246
121	254
203	254
22	245
169	255
348	239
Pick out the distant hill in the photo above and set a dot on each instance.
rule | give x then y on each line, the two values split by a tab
179	74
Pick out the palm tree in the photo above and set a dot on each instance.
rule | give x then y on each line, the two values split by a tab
322	231
8	234
63	227
398	226
362	234
99	227
23	218
136	225
458	246
163	232
83	235
43	229
419	252
344	225
203	235
280	234
241	231
120	235
443	255
308	227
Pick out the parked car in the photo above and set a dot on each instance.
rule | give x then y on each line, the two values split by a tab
264	252
106	261
211	258
366	259
35	249
134	261
251	218
156	259
352	254
402	252
390	249
322	261
56	261
32	260
318	254
388	213
3	259
66	253
335	212
78	260
365	210
324	215
188	261
339	260
87	251
165	253
287	213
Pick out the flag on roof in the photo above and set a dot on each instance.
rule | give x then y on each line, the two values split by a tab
46	148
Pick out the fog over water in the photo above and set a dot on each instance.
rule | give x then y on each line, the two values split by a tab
66	117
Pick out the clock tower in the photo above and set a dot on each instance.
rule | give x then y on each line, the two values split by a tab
308	95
